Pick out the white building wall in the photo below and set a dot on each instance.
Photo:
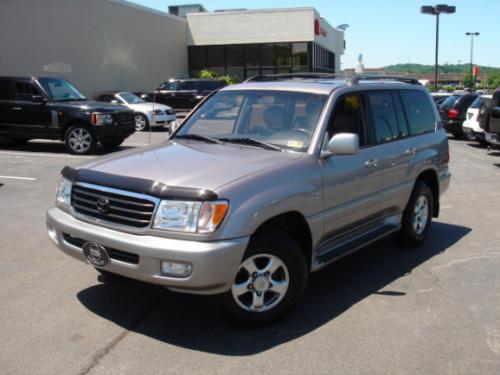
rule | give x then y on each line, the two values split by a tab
251	26
96	44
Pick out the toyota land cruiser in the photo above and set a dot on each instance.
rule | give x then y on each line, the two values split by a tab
273	179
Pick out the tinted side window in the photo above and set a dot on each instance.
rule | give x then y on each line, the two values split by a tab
385	122
449	102
25	91
477	103
348	118
4	89
463	104
419	111
189	85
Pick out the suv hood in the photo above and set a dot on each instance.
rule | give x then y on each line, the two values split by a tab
90	105
191	164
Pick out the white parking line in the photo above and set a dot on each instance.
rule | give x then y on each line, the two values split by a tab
19	178
45	154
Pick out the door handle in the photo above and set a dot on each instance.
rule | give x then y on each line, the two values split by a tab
16	108
371	163
411	151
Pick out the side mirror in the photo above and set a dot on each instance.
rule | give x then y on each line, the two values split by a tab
38	99
344	144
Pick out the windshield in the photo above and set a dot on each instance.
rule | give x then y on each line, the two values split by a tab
61	90
130	98
283	119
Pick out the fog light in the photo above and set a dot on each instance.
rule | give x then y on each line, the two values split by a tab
176	269
52	234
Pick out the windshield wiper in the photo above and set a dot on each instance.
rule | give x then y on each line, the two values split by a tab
198	137
252	142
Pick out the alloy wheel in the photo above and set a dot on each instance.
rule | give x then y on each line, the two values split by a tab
140	122
79	140
420	214
261	283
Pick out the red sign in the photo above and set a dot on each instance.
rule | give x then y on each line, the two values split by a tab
318	30
476	70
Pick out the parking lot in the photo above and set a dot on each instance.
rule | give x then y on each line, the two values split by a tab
384	310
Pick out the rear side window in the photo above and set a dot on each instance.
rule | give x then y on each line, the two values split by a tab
209	85
449	102
477	103
25	91
188	85
419	111
465	101
385	121
4	89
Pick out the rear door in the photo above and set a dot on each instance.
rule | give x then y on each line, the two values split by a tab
29	118
5	105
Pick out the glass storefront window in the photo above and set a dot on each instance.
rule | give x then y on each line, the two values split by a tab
197	57
283	54
252	58
216	57
234	55
299	56
267	56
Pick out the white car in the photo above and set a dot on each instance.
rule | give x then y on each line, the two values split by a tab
471	125
146	114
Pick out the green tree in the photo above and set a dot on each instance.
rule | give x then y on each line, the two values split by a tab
493	80
468	80
209	74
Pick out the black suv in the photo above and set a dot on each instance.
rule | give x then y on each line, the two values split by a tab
453	112
182	94
52	108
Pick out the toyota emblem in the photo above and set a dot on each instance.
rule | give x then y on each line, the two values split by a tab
102	205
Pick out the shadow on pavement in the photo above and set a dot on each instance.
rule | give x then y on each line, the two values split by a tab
196	322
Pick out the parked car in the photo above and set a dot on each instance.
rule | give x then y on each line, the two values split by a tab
182	94
262	184
146	114
453	110
52	108
490	121
471	125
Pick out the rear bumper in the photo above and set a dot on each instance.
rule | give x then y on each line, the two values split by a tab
492	138
452	126
214	264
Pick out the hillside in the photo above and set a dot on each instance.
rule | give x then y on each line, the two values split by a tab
450	68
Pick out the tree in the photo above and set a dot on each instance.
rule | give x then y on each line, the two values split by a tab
468	80
493	80
209	74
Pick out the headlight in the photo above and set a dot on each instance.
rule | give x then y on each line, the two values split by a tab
64	192
193	217
158	112
101	118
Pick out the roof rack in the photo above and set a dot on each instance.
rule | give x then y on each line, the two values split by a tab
277	77
353	80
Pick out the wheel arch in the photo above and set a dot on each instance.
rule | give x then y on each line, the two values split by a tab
294	224
430	177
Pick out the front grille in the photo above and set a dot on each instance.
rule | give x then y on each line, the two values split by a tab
122	209
124	117
120	255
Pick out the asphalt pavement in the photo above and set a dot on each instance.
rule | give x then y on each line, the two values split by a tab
383	310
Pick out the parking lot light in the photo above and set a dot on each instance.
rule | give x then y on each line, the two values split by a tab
436	11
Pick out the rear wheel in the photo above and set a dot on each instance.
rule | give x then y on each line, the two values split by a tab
141	122
80	140
270	279
417	215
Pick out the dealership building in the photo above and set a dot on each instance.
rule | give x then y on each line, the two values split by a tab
119	45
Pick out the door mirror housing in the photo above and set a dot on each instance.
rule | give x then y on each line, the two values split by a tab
343	144
38	99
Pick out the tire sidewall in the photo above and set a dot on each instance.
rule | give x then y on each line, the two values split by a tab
283	247
93	140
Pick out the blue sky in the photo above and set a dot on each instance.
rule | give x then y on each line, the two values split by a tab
393	31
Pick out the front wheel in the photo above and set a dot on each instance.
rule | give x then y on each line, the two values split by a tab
80	140
141	122
270	279
417	215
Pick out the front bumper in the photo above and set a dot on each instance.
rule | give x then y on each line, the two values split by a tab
122	130
214	264
162	120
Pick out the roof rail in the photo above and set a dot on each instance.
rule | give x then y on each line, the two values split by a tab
354	80
277	77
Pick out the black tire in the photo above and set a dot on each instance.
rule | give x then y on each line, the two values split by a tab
409	235
483	142
141	122
112	142
87	144
280	246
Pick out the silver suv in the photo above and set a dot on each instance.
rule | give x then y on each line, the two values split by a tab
263	183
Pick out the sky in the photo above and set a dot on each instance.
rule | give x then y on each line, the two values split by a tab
393	31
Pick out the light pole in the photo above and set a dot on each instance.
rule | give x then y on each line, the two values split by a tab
472	35
436	11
